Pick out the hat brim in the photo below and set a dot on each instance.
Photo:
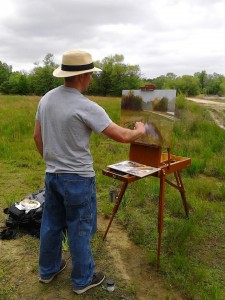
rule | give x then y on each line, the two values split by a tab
59	73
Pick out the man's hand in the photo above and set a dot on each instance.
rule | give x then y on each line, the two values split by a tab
140	127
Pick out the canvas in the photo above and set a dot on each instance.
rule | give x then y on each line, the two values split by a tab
155	108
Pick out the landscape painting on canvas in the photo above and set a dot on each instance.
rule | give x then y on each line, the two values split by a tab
155	108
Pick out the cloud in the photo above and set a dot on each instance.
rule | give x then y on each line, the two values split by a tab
164	36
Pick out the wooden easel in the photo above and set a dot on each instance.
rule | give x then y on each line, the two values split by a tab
152	155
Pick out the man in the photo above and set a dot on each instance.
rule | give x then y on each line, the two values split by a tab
65	120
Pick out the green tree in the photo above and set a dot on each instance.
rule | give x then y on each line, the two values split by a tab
17	84
159	82
221	91
5	71
115	77
202	77
170	81
215	84
187	85
48	61
42	79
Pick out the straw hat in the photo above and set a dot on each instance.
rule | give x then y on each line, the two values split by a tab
75	63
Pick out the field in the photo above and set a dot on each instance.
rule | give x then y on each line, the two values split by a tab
192	254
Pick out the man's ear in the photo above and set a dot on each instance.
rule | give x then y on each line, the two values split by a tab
81	77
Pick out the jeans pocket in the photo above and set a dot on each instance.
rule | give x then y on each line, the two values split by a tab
77	192
85	225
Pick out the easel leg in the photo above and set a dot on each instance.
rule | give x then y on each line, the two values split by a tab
160	214
116	206
182	191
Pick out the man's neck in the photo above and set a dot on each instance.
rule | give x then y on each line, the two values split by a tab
73	85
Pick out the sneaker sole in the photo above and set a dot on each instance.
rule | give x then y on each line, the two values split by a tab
88	287
53	276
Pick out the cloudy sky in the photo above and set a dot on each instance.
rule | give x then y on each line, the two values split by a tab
161	36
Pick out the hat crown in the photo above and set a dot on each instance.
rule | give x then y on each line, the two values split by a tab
75	62
76	58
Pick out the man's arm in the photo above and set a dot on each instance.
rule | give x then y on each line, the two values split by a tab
125	135
38	137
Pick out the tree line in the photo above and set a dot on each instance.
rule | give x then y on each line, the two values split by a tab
115	77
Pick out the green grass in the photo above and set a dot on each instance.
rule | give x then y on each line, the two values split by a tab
192	254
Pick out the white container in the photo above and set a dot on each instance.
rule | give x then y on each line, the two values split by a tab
110	285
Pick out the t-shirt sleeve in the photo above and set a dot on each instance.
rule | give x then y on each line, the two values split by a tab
37	116
97	119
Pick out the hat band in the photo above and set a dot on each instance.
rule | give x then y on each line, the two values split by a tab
77	68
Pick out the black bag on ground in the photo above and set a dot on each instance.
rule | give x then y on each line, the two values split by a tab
27	222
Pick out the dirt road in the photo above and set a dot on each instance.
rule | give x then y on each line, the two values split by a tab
216	109
209	103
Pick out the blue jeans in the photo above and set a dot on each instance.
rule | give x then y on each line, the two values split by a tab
70	200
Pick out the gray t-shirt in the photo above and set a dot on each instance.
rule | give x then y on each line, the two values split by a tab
67	120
